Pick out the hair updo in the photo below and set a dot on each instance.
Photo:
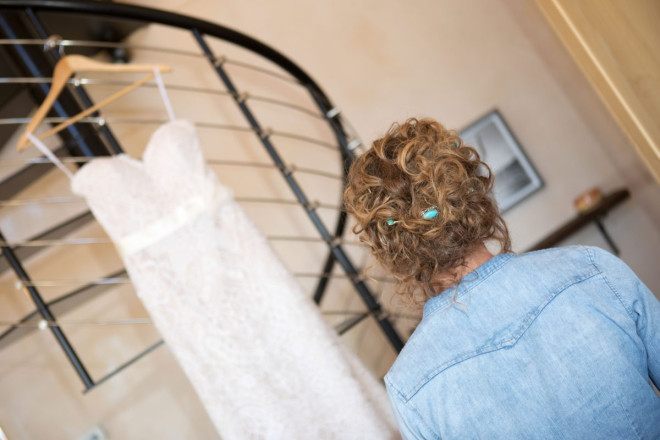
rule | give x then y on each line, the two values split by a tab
417	166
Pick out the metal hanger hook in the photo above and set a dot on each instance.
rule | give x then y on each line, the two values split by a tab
52	42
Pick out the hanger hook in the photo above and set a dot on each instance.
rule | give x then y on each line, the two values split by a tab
52	42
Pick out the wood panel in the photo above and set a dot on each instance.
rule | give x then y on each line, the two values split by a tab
616	43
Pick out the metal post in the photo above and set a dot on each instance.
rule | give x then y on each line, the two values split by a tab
336	250
606	236
45	312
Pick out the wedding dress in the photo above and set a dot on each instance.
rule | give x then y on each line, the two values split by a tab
254	346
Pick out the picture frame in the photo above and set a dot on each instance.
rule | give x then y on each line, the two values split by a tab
515	176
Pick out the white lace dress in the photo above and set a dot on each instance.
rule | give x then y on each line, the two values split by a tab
258	353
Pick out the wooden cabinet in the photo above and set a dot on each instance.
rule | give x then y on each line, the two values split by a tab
616	43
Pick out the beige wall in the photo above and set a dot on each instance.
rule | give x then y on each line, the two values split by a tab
385	61
379	61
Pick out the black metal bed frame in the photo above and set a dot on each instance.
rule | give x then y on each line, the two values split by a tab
84	141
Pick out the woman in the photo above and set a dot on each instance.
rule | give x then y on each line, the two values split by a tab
561	343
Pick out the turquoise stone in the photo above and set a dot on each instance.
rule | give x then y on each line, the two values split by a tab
429	214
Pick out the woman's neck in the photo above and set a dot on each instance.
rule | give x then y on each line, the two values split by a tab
479	255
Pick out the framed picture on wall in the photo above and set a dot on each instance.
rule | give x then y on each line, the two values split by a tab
515	177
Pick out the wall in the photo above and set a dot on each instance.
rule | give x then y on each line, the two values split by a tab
454	61
380	62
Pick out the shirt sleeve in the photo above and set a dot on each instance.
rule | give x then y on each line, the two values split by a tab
639	301
411	426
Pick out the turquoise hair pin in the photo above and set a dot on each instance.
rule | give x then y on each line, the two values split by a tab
430	213
427	214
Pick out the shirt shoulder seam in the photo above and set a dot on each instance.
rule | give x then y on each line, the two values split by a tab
609	284
412	408
406	402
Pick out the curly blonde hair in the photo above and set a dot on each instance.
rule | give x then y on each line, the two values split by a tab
417	166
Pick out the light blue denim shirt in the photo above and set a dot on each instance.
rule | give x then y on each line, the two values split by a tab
556	344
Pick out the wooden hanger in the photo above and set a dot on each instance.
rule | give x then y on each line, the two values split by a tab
66	67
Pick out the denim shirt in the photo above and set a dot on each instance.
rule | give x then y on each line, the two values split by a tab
555	344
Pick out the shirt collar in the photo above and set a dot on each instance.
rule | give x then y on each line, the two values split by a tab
469	282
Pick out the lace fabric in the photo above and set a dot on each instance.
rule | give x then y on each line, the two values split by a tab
256	349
